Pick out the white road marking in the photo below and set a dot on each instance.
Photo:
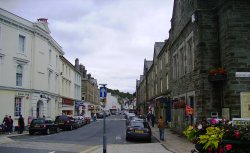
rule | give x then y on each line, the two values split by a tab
118	138
52	152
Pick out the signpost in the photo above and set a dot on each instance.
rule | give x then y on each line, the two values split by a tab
103	94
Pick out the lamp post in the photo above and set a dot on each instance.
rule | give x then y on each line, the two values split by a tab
103	93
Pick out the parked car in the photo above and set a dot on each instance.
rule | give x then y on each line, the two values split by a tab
129	118
41	125
99	115
87	119
80	120
66	122
138	130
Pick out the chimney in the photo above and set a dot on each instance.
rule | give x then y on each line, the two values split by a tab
42	20
89	76
77	64
83	71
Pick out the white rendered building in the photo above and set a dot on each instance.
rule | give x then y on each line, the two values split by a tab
29	68
112	103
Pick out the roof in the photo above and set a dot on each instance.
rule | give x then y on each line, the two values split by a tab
157	48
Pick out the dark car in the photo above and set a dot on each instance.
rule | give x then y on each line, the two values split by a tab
138	130
41	125
99	115
66	122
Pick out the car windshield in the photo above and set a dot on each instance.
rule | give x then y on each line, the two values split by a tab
38	121
137	124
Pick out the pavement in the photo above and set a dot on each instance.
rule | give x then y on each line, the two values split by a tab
4	138
173	142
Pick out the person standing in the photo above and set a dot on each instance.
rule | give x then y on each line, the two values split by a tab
161	126
153	120
10	124
6	123
21	124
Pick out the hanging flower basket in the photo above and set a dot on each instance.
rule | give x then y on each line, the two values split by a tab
217	77
217	74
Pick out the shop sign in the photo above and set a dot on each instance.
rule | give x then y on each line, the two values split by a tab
67	102
242	74
241	121
22	94
189	110
90	107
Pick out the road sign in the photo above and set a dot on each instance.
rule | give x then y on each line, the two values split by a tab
103	92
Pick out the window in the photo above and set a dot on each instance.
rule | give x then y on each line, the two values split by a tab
50	53
166	57
56	83
56	61
49	80
21	44
0	37
1	65
18	106
161	85
190	55
160	64
167	82
19	75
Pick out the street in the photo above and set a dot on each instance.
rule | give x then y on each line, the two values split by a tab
85	140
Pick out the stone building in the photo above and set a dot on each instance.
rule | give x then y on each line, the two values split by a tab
207	35
90	92
208	61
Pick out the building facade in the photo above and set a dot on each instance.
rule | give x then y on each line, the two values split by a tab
28	87
70	90
208	70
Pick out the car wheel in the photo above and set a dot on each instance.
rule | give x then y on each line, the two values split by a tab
48	131
127	138
31	133
57	130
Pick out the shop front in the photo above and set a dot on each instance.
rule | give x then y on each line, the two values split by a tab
67	106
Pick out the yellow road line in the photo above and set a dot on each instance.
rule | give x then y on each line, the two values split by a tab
91	149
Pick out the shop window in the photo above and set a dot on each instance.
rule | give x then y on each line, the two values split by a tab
18	106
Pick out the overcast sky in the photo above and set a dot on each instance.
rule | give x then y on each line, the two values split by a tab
110	37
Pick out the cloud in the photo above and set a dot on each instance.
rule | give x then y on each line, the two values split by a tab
111	38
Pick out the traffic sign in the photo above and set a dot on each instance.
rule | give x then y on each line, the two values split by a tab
103	92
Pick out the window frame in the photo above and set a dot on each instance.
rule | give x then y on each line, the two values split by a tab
18	107
19	76
21	47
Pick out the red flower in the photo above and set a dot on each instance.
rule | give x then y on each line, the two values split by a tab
228	147
237	134
210	149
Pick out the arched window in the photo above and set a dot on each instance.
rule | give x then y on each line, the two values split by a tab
19	75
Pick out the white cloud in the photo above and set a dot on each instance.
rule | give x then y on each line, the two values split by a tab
111	38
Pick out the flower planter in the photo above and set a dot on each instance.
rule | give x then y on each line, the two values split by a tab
217	77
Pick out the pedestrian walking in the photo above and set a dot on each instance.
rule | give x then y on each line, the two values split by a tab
148	117
153	120
161	126
6	123
10	125
20	124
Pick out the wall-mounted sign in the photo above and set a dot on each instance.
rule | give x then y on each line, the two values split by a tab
241	121
245	104
242	74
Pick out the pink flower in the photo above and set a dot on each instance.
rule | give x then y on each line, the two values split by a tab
213	121
237	134
228	147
